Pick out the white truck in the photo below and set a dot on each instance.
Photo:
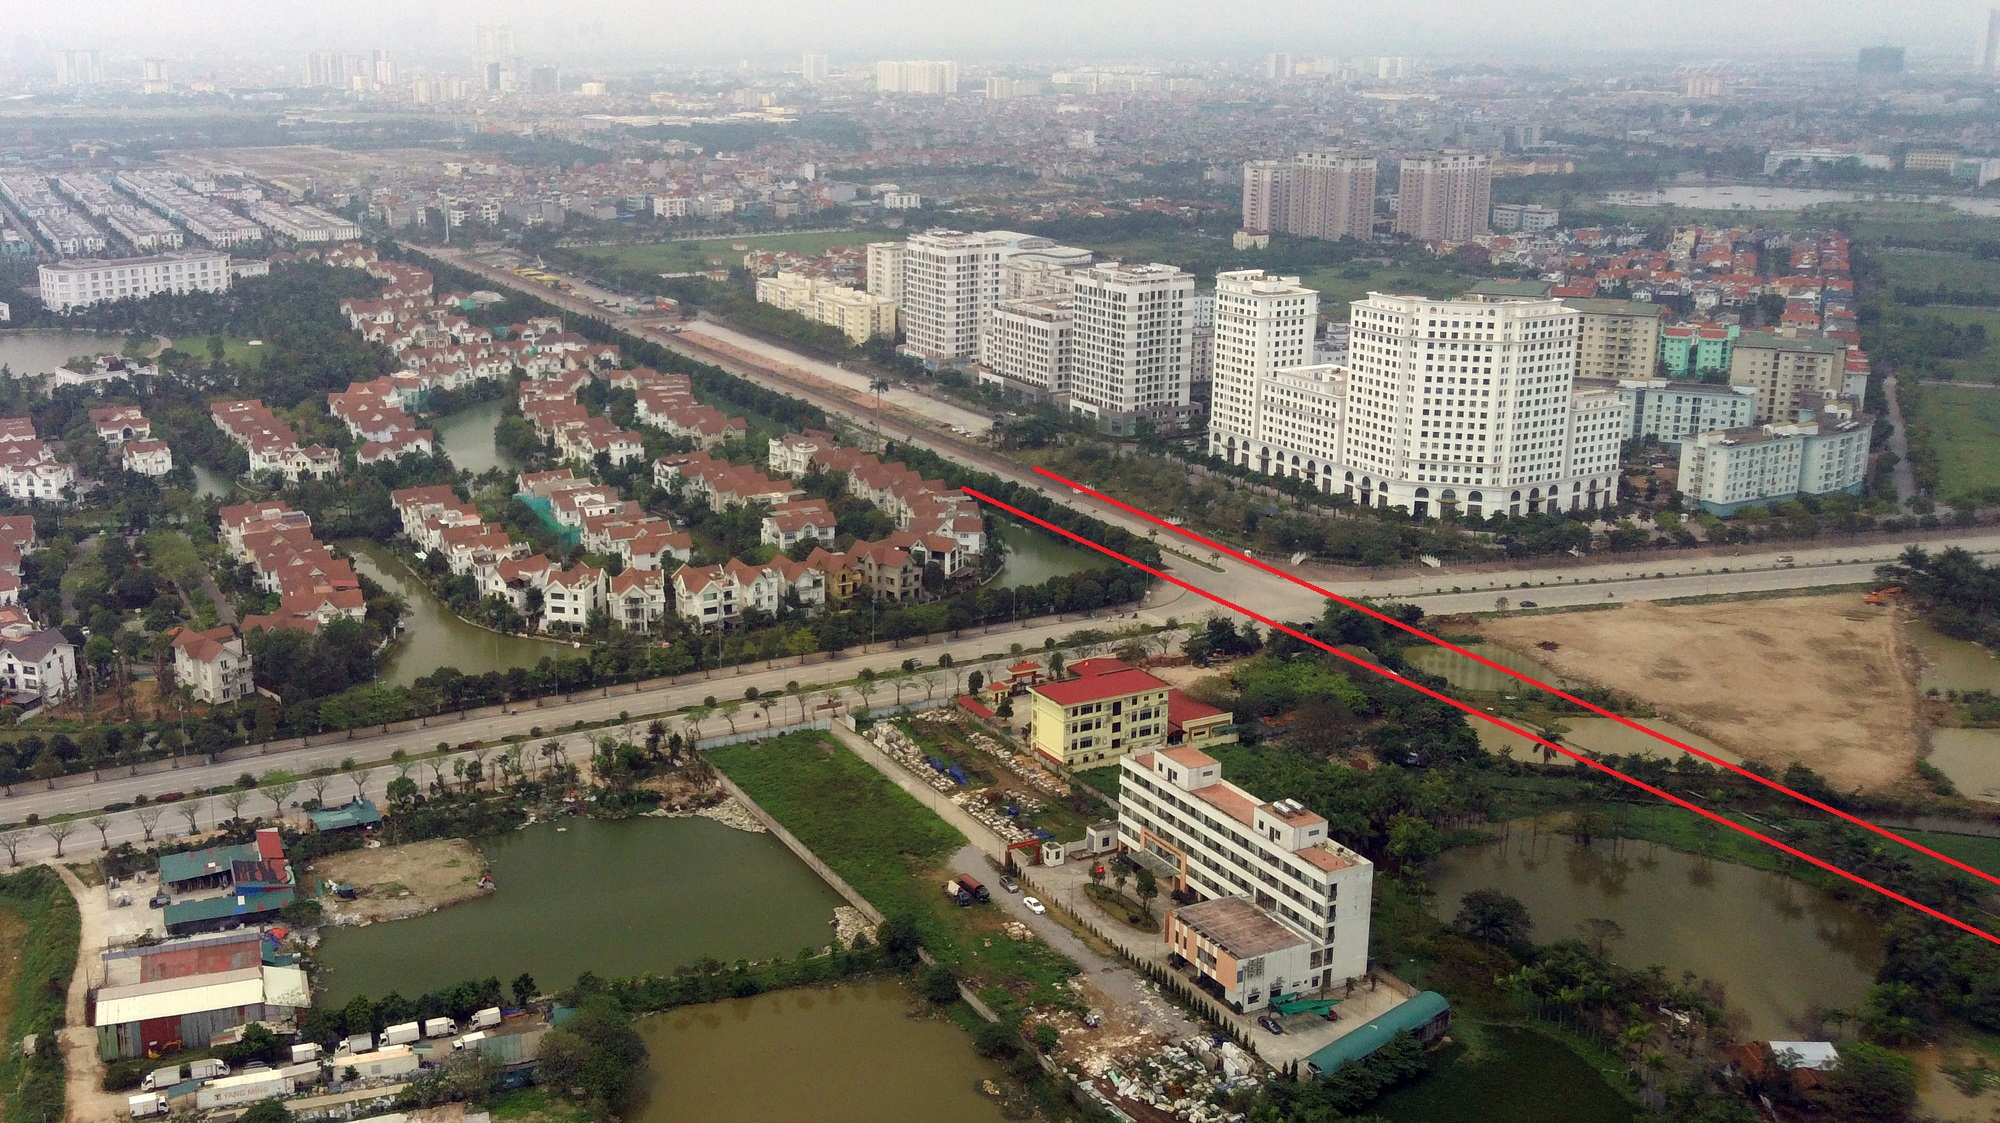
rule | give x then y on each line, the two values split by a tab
146	1103
401	1034
307	1051
470	1040
439	1027
160	1079
208	1070
487	1018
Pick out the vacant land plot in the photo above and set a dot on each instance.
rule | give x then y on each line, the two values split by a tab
1964	427
1820	681
1926	271
1983	367
1343	284
401	881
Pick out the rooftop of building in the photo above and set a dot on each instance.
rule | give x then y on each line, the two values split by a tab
1099	687
1238	927
1774	342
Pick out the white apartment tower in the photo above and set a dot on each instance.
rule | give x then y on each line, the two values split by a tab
1131	341
1264	194
951	280
1263	323
916	77
813	69
1447	197
1025	347
885	270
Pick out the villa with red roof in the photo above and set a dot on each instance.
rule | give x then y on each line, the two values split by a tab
1110	709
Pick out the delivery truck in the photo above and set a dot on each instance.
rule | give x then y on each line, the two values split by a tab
401	1034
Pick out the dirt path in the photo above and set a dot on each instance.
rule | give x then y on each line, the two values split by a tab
86	1098
401	881
1823	681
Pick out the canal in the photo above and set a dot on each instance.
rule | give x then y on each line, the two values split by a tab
32	353
433	636
467	438
619	898
1776	946
845	1054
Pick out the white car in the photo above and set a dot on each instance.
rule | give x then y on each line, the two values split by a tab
1034	906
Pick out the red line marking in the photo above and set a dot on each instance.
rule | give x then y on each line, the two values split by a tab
1510	727
1520	677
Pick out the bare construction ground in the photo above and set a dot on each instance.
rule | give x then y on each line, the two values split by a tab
1820	680
401	881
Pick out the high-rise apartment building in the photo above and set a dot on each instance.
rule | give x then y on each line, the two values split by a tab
1324	194
951	280
1785	369
885	270
1617	338
155	78
1130	344
1989	55
384	70
1025	347
544	80
326	69
79	68
1444	197
1278	66
813	69
1263	323
916	77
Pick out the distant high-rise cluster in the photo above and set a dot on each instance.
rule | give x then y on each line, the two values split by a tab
499	69
813	69
1326	194
79	68
1444	197
333	70
916	77
1989	55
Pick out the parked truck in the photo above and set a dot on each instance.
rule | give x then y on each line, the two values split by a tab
358	1043
487	1018
208	1070
161	1079
146	1103
401	1034
470	1040
971	885
439	1027
305	1052
957	893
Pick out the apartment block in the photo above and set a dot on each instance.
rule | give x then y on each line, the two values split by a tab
1132	336
86	281
885	270
1446	197
1524	218
1025	347
1322	194
1109	710
1283	908
951	281
920	76
1672	411
858	315
1785	369
1696	349
1616	338
1822	451
1263	323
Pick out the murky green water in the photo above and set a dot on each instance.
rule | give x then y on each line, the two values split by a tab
467	437
1034	556
618	898
434	637
31	353
848	1054
210	484
1971	757
1601	735
1464	674
1952	664
1775	945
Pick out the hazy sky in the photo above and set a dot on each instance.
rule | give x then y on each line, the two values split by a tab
860	29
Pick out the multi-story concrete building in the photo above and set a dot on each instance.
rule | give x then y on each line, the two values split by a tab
1697	349
1672	411
1524	218
1025	347
87	281
1263	323
1447	197
1322	194
1825	450
213	665
885	270
1130	343
1785	369
860	316
1616	338
916	77
951	281
1201	358
1283	907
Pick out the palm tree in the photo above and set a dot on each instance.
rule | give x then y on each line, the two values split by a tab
878	385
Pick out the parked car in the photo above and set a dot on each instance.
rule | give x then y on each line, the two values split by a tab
1010	885
1033	905
1270	1023
1529	604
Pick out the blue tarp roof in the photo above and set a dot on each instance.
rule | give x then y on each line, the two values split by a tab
1364	1040
360	813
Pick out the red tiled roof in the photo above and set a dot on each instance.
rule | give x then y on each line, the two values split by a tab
1117	684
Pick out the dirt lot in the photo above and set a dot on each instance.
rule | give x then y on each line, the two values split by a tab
401	881
1821	680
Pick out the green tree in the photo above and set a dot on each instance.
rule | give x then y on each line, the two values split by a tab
938	984
595	1057
524	989
266	1111
1148	887
1871	1085
900	939
1495	917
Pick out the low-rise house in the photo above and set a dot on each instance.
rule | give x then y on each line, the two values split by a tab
147	458
570	596
213	665
36	665
637	599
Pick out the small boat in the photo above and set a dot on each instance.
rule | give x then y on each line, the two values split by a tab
486	882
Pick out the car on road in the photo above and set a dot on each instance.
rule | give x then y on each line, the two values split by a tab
1010	885
1033	905
1271	1023
1529	604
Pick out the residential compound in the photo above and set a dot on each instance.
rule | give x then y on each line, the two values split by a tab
1281	907
1823	450
314	587
1324	194
858	315
1109	710
271	443
1469	405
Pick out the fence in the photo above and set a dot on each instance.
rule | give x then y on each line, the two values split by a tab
765	733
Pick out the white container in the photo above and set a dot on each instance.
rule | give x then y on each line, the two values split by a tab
401	1034
439	1027
306	1052
487	1018
147	1103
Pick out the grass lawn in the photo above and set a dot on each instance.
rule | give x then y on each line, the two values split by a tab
891	849
1104	780
1964	424
1956	272
1505	1074
1973	850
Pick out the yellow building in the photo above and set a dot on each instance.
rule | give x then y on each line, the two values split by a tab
858	315
1111	709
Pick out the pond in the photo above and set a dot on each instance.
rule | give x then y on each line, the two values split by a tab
433	637
467	437
1776	946
1034	556
29	353
846	1054
1971	758
209	483
1465	674
1600	735
1951	664
618	898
